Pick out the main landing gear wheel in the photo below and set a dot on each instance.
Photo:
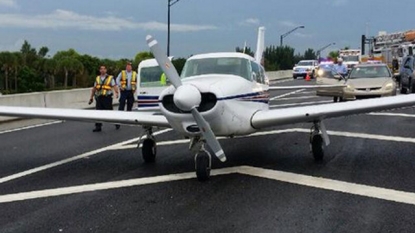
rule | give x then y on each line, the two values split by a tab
203	165
149	150
317	147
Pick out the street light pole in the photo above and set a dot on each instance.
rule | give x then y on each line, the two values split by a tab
323	48
170	3
287	33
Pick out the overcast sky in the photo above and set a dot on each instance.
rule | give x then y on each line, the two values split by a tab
116	29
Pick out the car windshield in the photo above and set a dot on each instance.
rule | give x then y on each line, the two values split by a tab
150	76
350	58
326	70
305	63
326	67
222	65
370	72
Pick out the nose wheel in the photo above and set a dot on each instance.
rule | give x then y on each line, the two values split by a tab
203	161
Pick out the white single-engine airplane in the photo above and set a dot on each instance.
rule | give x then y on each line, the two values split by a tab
218	94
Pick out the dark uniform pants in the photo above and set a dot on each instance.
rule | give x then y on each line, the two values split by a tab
103	102
126	96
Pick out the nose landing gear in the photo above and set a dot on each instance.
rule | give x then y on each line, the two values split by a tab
203	159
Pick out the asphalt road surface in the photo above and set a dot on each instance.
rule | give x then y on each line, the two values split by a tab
60	177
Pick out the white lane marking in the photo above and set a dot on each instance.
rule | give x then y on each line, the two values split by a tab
71	159
287	177
107	185
332	185
299	98
303	103
391	114
184	141
286	94
30	127
292	130
281	81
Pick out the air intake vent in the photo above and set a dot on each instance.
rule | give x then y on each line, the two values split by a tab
208	102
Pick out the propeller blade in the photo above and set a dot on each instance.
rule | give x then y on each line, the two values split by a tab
208	135
164	62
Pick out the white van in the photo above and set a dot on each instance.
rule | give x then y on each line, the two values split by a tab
149	84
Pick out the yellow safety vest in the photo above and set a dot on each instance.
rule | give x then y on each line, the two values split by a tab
103	86
123	81
163	80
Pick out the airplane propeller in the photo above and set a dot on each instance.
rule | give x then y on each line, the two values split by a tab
186	97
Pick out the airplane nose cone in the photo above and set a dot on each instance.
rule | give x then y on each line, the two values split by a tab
187	97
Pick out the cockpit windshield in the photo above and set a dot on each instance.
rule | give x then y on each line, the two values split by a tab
218	65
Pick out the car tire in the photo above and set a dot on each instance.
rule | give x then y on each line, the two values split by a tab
294	77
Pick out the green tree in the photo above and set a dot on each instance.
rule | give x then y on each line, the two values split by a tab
70	66
91	66
29	54
43	51
30	80
333	54
248	51
142	56
279	58
51	68
179	64
8	63
310	54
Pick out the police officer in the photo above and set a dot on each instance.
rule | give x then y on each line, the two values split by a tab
340	67
127	81
103	90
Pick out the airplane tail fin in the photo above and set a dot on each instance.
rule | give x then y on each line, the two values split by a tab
260	44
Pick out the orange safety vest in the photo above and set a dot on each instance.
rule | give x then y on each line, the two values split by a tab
103	86
123	81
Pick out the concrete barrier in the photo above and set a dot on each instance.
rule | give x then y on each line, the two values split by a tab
76	98
281	74
35	99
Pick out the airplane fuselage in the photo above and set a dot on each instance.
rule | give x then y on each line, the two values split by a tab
228	104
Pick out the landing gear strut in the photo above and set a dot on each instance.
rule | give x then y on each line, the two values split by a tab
148	149
203	159
318	137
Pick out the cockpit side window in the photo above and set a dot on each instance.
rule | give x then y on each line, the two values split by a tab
256	71
262	72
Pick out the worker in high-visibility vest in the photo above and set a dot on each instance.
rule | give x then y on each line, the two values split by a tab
163	79
127	82
103	90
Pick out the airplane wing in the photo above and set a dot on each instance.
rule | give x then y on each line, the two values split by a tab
308	87
275	117
118	117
